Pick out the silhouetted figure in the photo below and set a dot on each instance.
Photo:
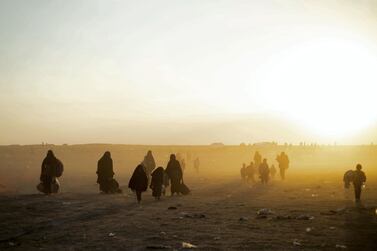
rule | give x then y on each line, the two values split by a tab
283	161
197	164
348	178
138	182
358	180
157	182
51	169
243	172
264	171
273	171
149	163
250	172
175	174
105	175
257	159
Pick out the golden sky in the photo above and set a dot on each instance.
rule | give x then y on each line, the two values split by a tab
188	72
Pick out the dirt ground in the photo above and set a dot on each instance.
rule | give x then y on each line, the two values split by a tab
311	210
220	214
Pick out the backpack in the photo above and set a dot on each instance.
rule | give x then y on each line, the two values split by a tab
59	168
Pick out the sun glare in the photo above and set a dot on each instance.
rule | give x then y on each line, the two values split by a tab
328	86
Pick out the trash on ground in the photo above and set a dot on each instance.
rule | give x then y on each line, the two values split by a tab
296	242
188	245
340	246
265	211
111	234
304	217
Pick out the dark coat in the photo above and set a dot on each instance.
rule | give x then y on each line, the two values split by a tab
157	181
359	177
174	170
48	168
105	170
139	180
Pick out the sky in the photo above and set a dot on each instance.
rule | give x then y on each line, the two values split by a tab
187	72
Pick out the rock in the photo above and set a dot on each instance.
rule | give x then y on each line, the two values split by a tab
308	229
332	228
188	245
172	208
111	235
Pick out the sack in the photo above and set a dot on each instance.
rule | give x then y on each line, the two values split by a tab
40	187
59	168
55	185
183	189
114	186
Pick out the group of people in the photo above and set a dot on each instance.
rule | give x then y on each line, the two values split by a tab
260	167
145	174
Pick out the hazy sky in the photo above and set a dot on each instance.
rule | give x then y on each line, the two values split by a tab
187	72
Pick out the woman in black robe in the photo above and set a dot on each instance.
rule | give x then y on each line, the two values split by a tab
48	172
175	174
157	182
138	182
105	173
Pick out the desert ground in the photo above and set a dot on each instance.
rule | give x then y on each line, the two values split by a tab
310	210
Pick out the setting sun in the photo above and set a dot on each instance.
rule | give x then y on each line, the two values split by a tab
327	85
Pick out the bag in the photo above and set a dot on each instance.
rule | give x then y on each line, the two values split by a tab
183	189
55	185
59	168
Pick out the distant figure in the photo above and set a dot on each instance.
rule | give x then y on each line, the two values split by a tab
175	174
264	171
50	170
138	182
283	161
157	182
348	178
105	173
243	172
257	159
273	171
250	172
358	181
149	163
197	164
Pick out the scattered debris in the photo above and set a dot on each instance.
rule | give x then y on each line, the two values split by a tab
188	245
340	246
172	208
296	242
111	234
265	211
304	217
